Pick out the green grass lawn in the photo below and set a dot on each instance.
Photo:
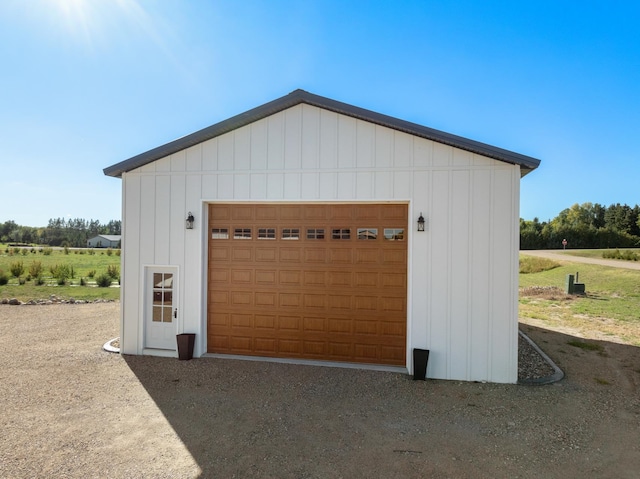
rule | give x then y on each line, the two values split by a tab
611	306
84	265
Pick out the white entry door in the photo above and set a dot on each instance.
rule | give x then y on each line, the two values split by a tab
161	308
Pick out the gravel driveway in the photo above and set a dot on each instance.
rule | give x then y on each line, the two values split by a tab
70	409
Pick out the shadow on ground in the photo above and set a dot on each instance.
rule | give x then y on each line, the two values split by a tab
259	419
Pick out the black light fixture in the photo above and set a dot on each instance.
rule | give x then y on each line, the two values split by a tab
190	220
421	222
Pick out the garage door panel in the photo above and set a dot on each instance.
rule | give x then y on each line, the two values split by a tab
266	254
293	291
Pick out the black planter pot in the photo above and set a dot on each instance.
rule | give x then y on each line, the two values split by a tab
185	345
420	360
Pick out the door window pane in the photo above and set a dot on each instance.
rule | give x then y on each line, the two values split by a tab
341	233
290	233
219	233
266	233
394	234
242	233
367	233
315	233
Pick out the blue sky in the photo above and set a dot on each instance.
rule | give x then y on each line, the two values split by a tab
88	83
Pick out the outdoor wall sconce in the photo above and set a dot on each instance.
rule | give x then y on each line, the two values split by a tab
421	222
190	220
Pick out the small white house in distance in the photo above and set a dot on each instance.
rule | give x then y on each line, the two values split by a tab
104	241
307	229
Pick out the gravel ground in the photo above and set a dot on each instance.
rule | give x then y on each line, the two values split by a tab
71	409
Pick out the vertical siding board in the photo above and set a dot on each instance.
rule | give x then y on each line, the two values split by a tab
242	148
346	185
420	262
327	185
241	186
402	184
177	214
293	138
210	155
402	150
328	140
275	142
460	266
258	186
194	158
179	161
225	187
259	145
365	144
310	186
480	274
422	152
147	218
383	184
384	147
209	186
191	266
346	142
441	154
310	137
364	185
163	165
292	186
275	186
131	256
163	220
225	152
501	318
439	271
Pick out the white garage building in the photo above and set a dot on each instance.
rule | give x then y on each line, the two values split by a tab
305	242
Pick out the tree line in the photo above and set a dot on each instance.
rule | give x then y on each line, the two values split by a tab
589	225
59	232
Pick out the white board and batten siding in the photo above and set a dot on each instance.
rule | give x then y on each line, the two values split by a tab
462	283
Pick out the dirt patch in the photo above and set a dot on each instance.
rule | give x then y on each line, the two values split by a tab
71	409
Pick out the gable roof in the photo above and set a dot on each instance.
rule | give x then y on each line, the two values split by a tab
296	97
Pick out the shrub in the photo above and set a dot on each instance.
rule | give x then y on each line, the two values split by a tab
117	252
21	281
17	268
66	250
91	273
4	279
113	271
91	251
39	281
61	272
83	282
109	251
62	281
47	251
35	269
103	280
24	252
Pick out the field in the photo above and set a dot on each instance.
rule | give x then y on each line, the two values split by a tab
609	311
598	253
83	267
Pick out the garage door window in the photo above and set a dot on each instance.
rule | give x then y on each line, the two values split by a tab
242	233
341	233
315	233
290	233
367	233
266	233
219	233
394	234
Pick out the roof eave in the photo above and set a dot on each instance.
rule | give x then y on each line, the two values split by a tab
300	96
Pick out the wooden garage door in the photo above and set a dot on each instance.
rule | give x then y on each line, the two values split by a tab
326	282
